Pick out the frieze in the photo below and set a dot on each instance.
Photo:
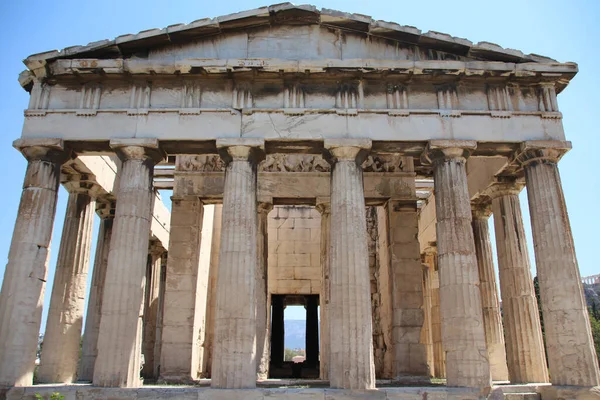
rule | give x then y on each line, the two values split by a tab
200	163
294	163
384	163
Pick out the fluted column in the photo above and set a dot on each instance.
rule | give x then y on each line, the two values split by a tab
186	284
439	357
492	317
119	341
262	324
62	338
426	336
89	347
235	320
351	352
463	336
324	209
525	353
151	310
22	293
569	343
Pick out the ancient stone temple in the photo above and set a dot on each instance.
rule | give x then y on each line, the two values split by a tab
315	158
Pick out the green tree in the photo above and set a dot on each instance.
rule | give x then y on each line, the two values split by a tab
595	325
288	354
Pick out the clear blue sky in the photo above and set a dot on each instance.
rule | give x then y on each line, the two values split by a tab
566	31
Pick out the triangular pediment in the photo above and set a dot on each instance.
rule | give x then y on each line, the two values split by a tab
293	32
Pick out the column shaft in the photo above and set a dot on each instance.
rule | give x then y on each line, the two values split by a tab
22	293
325	211
119	341
350	322
426	335
439	356
262	326
151	311
62	338
89	348
569	343
212	293
186	284
235	318
524	344
463	335
492	317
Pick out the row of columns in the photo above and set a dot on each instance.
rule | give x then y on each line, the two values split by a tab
522	358
241	281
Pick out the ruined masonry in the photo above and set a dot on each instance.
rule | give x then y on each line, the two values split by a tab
318	159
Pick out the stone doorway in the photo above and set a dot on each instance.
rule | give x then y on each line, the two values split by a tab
297	369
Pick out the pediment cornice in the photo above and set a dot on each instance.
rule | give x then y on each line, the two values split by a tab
125	47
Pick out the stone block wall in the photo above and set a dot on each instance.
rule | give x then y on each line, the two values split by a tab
294	250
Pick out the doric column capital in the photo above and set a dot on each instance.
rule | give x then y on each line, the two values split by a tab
43	149
542	151
105	208
481	210
442	150
264	207
138	149
155	248
504	188
249	149
323	205
347	150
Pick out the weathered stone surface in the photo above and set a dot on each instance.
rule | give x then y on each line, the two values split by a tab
65	318
89	346
262	321
525	353
120	341
324	209
410	356
463	336
571	355
22	292
234	366
351	354
492	317
186	283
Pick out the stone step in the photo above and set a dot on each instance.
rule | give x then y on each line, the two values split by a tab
522	396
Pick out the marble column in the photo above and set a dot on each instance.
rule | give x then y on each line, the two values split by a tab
119	340
22	294
571	354
525	353
151	308
235	319
160	315
60	354
89	347
325	211
186	284
439	357
492	317
426	335
350	323
262	325
212	295
463	336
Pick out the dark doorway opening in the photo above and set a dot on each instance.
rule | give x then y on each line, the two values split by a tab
296	367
